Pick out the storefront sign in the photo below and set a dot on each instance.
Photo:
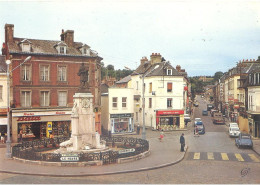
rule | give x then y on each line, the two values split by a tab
69	157
29	118
167	112
50	113
126	151
121	115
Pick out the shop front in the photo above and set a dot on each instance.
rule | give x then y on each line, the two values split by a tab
254	124
169	119
122	123
39	125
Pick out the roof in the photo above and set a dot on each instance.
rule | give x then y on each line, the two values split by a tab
158	69
104	88
124	80
47	47
3	66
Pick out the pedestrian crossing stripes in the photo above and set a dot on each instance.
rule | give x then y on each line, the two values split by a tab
242	157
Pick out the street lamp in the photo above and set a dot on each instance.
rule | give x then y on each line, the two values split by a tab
143	106
8	142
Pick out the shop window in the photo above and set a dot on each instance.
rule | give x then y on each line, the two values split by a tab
26	98
169	87
62	73
150	87
45	98
124	103
26	72
150	102
44	72
169	102
62	98
121	125
114	102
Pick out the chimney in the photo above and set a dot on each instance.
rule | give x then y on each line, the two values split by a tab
62	35
69	37
9	33
178	68
156	58
143	60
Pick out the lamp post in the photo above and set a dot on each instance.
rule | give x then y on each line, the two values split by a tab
143	101
8	142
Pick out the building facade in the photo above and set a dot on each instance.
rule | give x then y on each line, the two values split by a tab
42	89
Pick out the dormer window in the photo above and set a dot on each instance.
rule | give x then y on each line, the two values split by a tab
169	71
85	49
26	45
61	47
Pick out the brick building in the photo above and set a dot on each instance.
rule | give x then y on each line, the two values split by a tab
42	89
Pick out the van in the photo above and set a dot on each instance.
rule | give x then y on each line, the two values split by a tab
233	125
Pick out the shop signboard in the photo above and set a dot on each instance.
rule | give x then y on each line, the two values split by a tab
128	115
170	112
69	157
126	151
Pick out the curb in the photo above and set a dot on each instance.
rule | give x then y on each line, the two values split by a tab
98	174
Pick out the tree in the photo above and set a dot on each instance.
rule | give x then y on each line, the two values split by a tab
217	75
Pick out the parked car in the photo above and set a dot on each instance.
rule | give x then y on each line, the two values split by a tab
218	118
212	111
204	113
244	140
210	106
196	104
233	125
187	117
197	120
234	131
201	127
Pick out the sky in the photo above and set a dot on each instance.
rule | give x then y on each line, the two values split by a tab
202	36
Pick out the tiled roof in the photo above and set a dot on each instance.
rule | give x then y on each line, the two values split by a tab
46	47
124	80
3	66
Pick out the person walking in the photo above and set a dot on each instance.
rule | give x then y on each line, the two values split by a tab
182	141
138	129
161	136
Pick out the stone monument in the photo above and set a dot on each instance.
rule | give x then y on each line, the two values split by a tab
84	136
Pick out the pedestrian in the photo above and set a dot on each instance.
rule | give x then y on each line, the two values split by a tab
2	138
161	136
138	129
196	131
182	141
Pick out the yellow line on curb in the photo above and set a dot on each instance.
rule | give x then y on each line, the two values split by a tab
210	156
254	158
224	156
239	157
196	156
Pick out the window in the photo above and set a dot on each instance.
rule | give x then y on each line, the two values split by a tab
44	98
169	102
136	85
44	72
150	87
26	47
169	87
1	92
62	73
62	98
26	98
26	72
114	102
62	50
124	102
169	71
150	102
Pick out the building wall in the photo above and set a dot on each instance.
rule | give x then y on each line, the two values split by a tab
254	92
3	83
105	114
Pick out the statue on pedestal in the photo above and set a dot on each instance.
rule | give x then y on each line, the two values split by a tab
83	73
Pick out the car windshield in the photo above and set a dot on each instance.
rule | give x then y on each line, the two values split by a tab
245	137
197	119
199	123
235	129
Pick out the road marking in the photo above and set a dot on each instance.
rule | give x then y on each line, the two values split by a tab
254	158
210	156
196	156
239	157
224	157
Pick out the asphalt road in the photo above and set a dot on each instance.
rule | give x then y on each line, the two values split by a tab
203	163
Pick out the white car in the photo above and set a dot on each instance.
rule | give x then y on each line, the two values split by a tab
234	131
233	125
197	120
187	117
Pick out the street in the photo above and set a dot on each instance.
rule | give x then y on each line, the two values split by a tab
211	158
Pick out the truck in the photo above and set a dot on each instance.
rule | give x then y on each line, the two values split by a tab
218	118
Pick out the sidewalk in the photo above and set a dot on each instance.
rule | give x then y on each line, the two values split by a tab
256	141
163	154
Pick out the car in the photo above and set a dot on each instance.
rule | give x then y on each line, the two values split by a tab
218	118
196	104
244	140
212	111
204	113
201	129
233	125
234	131
187	117
197	120
210	106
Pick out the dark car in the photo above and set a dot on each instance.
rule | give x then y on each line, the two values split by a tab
210	106
201	127
244	140
204	113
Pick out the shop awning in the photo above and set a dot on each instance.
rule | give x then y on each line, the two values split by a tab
3	121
